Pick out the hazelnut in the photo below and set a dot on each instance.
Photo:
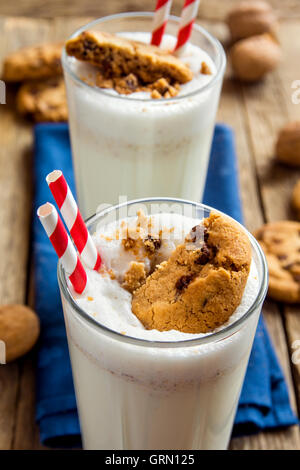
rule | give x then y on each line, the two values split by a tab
288	144
254	57
19	329
296	199
250	18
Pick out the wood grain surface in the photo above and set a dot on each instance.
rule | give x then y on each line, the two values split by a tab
255	112
209	9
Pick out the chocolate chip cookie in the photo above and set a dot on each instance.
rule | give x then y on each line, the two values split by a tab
118	57
33	63
43	100
201	284
281	244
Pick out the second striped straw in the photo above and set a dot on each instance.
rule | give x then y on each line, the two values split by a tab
187	19
73	219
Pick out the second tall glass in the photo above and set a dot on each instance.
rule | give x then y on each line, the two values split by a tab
141	147
138	394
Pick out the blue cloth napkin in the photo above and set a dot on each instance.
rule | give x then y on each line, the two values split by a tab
264	401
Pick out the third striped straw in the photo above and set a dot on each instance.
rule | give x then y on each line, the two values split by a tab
73	219
161	15
187	19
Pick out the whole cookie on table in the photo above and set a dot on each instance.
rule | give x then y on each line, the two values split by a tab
281	244
201	284
37	62
43	100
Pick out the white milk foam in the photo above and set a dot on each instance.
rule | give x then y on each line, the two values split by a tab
110	305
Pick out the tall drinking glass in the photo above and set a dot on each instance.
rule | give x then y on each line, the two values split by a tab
140	394
140	147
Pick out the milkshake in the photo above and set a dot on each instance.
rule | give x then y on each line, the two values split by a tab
134	144
172	385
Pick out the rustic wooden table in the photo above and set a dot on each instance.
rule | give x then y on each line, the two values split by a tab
255	112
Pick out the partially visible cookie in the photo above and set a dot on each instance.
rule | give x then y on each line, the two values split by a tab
280	242
201	284
296	198
118	57
19	329
43	101
33	63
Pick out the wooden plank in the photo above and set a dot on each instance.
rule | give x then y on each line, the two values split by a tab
16	407
287	75
9	374
9	383
267	108
209	9
233	112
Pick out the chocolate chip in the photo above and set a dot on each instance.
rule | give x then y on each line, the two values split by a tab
288	266
183	282
197	233
281	257
53	83
204	256
152	244
34	91
132	84
207	254
296	277
234	268
89	45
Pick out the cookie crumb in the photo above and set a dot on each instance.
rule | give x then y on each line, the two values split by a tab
151	244
205	69
134	277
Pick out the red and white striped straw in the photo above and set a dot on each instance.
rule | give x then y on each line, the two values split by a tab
63	246
73	219
162	11
187	19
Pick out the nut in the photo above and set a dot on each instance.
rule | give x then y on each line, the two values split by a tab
288	144
19	329
254	57
296	198
250	18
